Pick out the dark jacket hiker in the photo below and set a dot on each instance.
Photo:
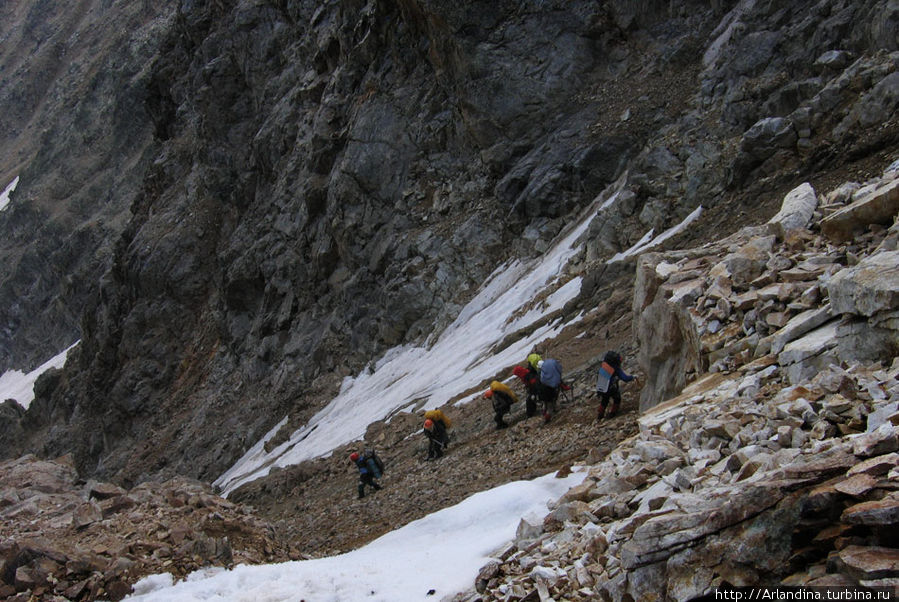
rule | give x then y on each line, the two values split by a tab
530	377
370	468
610	373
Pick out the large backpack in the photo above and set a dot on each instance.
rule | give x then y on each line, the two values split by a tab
439	415
551	373
374	457
604	377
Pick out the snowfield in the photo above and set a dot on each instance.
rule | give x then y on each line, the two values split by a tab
432	558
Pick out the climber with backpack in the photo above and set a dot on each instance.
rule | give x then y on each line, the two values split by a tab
550	383
610	373
502	397
436	428
531	381
370	468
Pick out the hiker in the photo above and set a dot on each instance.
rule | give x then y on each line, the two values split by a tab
610	373
435	428
550	382
531	380
502	397
370	468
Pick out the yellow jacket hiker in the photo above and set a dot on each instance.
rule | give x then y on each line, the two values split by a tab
436	424
503	397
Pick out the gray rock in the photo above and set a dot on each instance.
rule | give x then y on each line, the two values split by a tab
799	326
797	208
883	440
833	60
768	135
806	356
870	287
878	206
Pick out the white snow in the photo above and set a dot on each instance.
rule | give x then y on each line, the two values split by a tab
442	552
15	384
648	242
4	196
428	376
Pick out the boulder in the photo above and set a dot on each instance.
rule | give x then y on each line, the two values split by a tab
86	514
883	440
798	326
876	466
857	485
797	209
767	136
868	288
806	356
878	206
749	261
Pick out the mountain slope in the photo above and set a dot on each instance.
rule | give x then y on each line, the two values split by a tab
331	181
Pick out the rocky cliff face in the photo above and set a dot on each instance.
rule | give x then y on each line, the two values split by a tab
332	179
74	129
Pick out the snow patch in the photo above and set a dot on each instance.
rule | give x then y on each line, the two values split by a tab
4	196
15	384
441	552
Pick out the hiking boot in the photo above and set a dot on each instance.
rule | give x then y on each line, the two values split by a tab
601	412
613	409
546	417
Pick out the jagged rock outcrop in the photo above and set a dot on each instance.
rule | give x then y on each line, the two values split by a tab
806	298
64	538
726	490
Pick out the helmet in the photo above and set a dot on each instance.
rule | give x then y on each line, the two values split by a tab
429	424
354	456
488	393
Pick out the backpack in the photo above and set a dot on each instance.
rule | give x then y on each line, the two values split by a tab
551	373
604	378
371	455
436	415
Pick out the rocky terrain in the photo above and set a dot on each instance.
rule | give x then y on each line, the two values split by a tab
329	181
236	204
67	539
776	466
